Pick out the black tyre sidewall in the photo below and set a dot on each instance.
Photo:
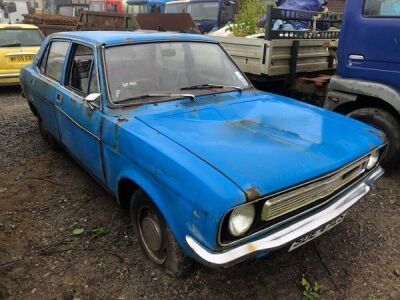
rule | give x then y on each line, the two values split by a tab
176	263
385	122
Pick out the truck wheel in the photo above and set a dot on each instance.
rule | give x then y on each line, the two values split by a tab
388	124
155	238
47	137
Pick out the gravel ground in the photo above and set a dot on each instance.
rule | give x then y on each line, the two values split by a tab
44	195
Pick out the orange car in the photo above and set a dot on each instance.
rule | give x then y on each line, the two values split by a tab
19	44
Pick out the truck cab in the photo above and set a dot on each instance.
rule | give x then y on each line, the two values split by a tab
145	6
106	6
367	85
209	15
69	8
12	11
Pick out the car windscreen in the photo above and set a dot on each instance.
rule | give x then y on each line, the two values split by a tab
203	10
20	37
168	67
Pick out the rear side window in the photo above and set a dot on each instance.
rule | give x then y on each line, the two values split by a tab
382	8
56	59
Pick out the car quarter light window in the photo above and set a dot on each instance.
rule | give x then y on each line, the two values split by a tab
83	71
56	59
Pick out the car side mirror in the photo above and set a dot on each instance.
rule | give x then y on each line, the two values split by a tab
91	98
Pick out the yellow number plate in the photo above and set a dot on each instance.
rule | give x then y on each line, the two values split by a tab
22	58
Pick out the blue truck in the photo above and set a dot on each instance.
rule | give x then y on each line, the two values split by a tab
208	166
145	6
367	84
208	15
362	81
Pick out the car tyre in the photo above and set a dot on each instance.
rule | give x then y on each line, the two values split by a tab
47	137
388	124
156	239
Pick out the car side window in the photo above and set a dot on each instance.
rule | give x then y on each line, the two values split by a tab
55	59
81	65
382	8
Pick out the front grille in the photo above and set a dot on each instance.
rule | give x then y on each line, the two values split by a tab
311	192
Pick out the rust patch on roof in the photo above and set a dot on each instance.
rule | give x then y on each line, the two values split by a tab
252	194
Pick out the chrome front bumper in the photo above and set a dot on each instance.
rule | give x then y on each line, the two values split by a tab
288	233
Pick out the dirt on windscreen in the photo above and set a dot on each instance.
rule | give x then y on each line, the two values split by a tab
45	195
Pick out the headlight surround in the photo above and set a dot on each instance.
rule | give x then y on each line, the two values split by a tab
241	219
373	159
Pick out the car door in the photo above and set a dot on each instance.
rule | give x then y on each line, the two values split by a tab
369	46
46	82
79	122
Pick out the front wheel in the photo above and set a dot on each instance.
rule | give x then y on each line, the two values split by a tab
388	124
155	238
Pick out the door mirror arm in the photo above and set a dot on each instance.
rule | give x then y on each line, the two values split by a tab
91	99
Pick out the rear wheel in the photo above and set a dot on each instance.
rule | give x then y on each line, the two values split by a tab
155	237
388	124
47	137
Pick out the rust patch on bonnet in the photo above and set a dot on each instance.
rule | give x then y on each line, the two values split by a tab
252	194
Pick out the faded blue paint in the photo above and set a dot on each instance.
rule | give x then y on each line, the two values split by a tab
196	159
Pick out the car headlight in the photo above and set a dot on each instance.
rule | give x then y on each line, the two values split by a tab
373	159
241	219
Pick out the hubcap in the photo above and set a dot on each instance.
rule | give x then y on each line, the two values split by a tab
151	235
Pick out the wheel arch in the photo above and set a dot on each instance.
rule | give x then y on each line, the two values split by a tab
364	101
128	183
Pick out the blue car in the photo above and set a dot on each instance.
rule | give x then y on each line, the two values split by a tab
209	167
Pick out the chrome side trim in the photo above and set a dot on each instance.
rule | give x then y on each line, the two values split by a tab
288	233
10	75
77	124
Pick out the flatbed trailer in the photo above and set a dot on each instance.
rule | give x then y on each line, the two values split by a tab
296	59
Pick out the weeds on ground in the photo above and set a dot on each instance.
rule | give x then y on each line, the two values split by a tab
373	297
310	292
249	11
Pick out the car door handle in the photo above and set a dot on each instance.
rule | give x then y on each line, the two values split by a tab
356	57
59	98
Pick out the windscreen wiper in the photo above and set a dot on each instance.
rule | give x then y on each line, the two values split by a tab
207	86
170	95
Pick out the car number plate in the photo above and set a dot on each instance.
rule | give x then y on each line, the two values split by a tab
320	231
21	58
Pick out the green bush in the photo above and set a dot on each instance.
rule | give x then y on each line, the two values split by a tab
247	16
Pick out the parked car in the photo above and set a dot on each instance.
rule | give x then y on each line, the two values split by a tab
19	44
209	167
